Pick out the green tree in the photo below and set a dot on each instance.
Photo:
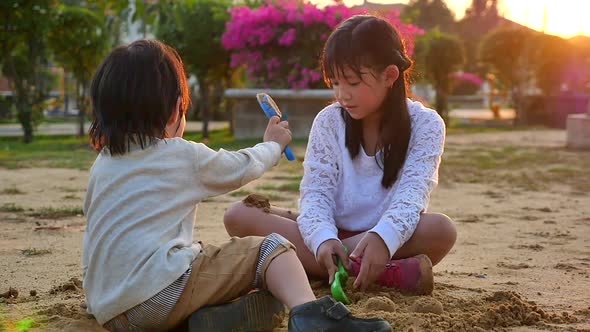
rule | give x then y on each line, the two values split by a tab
444	54
430	14
508	52
24	56
579	68
115	13
79	50
552	55
194	28
146	12
480	18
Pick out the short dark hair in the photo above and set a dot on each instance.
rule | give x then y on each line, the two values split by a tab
134	92
370	41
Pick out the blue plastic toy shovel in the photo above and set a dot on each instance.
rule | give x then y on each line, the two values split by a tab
271	109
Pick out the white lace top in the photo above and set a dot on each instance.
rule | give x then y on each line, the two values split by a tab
338	192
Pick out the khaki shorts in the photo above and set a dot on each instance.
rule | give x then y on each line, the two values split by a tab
218	275
222	274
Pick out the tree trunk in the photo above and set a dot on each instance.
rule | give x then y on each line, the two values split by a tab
217	99
25	117
516	97
205	106
81	108
441	105
21	96
66	94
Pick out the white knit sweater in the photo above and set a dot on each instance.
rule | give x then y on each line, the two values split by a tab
338	192
140	210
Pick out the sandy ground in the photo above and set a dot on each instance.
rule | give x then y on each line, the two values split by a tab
521	204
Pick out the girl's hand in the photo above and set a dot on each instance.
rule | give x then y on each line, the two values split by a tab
375	256
326	253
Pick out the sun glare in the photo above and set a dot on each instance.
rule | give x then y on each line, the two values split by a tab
565	18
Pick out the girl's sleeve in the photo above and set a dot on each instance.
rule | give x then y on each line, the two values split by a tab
320	180
419	176
218	172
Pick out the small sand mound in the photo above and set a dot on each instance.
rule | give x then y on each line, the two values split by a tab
74	284
426	305
10	293
381	303
450	308
257	201
68	310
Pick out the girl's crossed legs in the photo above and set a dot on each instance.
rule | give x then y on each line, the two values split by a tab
434	236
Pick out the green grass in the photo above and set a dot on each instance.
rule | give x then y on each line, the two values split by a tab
273	197
527	168
12	191
56	213
296	178
69	190
70	197
240	193
46	151
66	151
291	186
11	207
35	252
457	129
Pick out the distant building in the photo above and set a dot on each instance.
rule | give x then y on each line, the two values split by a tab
5	87
380	8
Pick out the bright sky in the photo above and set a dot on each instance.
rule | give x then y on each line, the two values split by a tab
565	18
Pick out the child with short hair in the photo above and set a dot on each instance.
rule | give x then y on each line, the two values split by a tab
142	270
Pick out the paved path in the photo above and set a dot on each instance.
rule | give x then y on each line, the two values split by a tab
71	128
467	116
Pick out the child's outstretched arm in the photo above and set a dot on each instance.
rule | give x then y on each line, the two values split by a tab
222	171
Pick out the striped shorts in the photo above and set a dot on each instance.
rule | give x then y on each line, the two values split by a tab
152	314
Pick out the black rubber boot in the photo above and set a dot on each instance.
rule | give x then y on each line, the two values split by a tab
255	312
327	315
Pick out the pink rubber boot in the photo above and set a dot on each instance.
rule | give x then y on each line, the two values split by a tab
410	275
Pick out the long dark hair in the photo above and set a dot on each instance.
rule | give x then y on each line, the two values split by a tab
134	92
369	41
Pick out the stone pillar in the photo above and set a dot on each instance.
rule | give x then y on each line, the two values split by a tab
578	130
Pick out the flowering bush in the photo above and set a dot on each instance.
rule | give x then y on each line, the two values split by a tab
465	83
280	42
467	77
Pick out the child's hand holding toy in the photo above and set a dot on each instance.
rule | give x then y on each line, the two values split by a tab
271	109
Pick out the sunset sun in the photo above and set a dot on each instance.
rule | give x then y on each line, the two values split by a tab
564	18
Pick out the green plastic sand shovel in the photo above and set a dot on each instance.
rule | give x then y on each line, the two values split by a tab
339	284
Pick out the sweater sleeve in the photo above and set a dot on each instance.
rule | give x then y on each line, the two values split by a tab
218	172
419	176
320	180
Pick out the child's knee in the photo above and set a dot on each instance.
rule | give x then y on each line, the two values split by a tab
233	217
272	246
232	212
446	230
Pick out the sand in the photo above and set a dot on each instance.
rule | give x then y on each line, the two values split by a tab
521	261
